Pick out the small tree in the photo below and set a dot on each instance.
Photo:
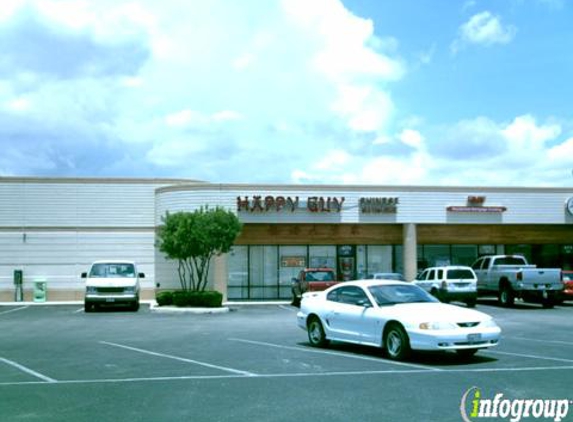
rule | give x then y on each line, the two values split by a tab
194	238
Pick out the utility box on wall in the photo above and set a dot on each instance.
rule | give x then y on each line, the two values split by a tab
40	290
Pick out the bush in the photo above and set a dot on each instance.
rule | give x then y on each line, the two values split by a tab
206	299
164	298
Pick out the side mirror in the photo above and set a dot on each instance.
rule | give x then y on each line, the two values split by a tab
84	275
141	275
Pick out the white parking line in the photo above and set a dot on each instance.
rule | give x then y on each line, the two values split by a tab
14	310
288	308
522	355
294	375
196	362
567	343
27	370
332	353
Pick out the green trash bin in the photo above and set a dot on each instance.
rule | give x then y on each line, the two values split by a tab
40	287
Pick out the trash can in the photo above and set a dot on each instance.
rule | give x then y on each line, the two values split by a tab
40	287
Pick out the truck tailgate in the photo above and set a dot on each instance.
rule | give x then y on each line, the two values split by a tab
542	278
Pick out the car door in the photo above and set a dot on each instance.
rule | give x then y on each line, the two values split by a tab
351	318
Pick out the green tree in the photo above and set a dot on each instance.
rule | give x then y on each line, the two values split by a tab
194	238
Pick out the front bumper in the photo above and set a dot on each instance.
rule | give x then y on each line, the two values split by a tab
99	298
470	338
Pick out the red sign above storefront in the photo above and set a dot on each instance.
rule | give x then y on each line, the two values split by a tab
475	203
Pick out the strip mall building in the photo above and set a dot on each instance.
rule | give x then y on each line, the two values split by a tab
51	229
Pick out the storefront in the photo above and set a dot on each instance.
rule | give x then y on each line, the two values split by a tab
52	228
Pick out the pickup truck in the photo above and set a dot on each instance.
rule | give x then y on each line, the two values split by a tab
510	277
311	280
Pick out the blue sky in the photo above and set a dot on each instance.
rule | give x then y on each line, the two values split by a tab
411	92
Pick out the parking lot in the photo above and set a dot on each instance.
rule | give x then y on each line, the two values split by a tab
58	363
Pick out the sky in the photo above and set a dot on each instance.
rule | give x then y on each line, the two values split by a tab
344	92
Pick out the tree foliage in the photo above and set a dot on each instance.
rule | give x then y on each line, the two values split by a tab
194	238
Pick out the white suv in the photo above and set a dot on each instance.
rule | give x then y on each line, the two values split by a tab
452	282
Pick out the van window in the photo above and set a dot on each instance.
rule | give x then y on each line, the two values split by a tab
112	270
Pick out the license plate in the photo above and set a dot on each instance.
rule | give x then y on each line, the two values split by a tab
110	299
474	338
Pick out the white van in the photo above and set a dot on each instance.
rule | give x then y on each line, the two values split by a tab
112	282
452	282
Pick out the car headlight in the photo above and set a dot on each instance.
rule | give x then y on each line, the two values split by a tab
490	323
437	326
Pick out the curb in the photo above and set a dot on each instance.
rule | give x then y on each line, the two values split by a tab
153	307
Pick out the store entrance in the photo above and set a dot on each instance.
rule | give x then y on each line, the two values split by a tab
346	262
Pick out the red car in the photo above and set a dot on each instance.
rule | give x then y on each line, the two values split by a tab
567	278
312	280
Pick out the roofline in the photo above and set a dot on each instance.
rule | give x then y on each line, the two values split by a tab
179	184
359	188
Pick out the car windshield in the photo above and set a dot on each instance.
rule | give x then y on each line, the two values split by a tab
319	276
393	294
114	270
460	274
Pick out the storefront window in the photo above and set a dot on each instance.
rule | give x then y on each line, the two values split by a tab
379	259
437	255
361	262
292	259
263	272
322	256
523	250
464	254
238	273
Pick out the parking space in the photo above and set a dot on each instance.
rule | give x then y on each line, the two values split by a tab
58	363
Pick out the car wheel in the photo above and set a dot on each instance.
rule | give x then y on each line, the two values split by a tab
316	335
396	342
506	296
466	353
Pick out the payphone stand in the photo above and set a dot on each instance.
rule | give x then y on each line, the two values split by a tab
18	290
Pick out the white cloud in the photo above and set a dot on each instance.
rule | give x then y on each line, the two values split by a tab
333	160
525	136
484	29
412	138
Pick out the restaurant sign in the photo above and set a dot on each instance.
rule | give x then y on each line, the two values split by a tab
379	205
475	203
260	204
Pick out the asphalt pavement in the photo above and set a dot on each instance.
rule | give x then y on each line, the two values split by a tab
58	363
